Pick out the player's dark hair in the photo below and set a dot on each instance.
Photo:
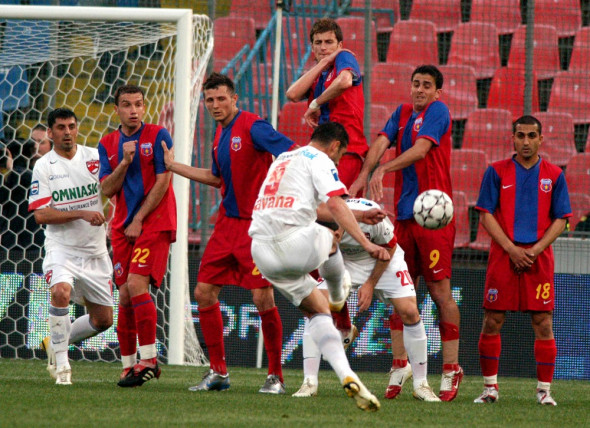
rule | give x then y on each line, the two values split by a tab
215	80
127	89
325	25
60	113
527	120
431	70
328	132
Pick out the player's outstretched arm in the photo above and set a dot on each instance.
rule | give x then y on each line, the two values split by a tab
374	155
365	293
49	215
202	175
372	216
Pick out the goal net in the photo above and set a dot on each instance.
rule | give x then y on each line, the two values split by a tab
75	57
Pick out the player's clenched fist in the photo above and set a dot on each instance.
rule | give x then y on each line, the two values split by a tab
129	151
93	217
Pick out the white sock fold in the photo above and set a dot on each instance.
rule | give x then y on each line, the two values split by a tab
82	329
327	338
332	271
60	326
416	345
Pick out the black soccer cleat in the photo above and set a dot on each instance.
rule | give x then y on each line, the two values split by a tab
139	375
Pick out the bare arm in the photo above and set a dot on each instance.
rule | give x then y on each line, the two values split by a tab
372	216
113	183
551	234
374	155
345	218
415	153
202	175
338	86
50	215
365	293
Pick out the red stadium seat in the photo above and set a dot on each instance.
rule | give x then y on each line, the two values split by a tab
482	241
383	20
467	169
505	14
461	214
570	93
413	42
580	207
577	174
446	14
231	34
580	61
391	84
459	90
558	136
353	29
507	91
258	10
379	117
388	201
545	51
489	130
292	124
476	44
565	15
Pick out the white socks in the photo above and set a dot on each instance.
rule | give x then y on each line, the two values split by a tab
415	342
332	271
311	356
82	329
327	339
59	330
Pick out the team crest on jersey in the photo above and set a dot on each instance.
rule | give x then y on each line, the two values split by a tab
236	143
118	270
492	295
146	149
34	188
92	166
546	185
418	124
48	276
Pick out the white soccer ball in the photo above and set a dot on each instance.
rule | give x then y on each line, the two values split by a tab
433	209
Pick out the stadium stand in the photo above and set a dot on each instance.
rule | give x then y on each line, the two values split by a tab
467	169
571	94
580	207
558	136
459	90
483	239
385	13
390	84
580	59
577	174
505	14
489	130
388	200
507	91
379	117
446	14
461	214
292	124
258	10
565	15
353	29
413	42
545	51
296	41
231	34
476	44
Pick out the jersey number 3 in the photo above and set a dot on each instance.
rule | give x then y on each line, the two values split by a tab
275	179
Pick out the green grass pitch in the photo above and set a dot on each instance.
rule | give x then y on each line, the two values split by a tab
30	398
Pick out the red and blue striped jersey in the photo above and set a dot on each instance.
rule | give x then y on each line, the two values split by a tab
403	128
242	153
524	201
347	109
147	163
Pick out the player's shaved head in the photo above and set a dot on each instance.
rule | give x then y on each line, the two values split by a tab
328	132
215	80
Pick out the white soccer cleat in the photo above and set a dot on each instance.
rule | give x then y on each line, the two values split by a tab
544	397
51	367
354	388
308	389
63	376
490	395
425	393
349	336
346	286
397	379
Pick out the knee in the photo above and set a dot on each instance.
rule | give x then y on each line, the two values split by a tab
103	322
409	316
60	295
205	296
263	298
492	324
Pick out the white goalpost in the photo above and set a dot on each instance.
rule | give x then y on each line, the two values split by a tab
53	56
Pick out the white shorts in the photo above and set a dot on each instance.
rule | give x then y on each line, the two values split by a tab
395	282
93	276
286	260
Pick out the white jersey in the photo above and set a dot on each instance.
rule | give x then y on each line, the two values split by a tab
296	183
67	185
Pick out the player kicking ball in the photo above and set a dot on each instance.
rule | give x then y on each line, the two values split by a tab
390	282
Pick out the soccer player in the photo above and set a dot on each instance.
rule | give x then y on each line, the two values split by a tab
287	243
334	91
39	135
524	206
65	196
242	153
421	132
391	283
143	227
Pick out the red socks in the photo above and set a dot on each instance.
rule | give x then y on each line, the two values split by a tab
212	328
272	330
490	347
545	353
126	330
145	318
342	318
